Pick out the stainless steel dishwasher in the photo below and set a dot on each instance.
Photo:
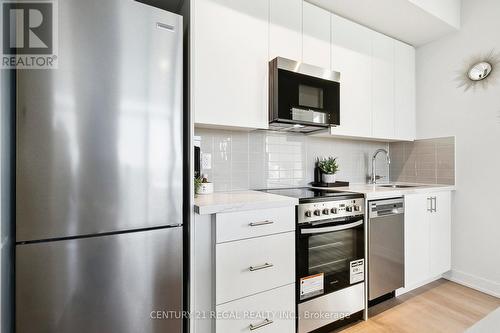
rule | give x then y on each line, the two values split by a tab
385	247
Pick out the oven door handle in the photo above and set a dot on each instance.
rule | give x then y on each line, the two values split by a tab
331	229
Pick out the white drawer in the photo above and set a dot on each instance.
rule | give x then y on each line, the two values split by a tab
254	223
254	265
273	311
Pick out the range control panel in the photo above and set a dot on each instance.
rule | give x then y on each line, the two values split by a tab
318	211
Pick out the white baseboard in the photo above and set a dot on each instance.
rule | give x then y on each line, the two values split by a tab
486	286
406	289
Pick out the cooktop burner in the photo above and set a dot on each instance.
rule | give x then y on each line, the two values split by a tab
307	194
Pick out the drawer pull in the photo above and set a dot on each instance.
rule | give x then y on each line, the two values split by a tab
258	268
260	325
257	224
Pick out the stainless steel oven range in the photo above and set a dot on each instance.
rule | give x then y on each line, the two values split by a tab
330	257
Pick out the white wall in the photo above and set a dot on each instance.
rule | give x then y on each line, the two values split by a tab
474	117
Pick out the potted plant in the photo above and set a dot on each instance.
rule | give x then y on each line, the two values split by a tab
202	185
329	167
197	185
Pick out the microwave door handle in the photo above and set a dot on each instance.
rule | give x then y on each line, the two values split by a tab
331	229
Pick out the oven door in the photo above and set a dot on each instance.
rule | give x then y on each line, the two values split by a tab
330	257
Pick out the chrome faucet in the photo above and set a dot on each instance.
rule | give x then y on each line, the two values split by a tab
374	176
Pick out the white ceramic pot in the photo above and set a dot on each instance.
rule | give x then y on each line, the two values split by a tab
206	188
329	178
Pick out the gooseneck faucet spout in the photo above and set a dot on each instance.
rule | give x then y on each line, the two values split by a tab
374	175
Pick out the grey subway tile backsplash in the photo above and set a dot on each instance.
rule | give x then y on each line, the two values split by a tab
430	161
261	159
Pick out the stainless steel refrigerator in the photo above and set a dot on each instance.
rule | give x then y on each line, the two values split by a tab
99	175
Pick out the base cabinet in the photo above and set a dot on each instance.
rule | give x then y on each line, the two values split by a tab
269	312
427	237
243	271
440	234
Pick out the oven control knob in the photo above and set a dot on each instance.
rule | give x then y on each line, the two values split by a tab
348	209
357	208
317	212
326	211
308	213
334	210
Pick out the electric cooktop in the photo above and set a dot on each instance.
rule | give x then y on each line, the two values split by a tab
307	194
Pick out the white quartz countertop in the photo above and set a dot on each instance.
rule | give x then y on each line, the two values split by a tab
377	192
219	202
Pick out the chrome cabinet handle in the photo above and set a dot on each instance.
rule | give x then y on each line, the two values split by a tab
429	204
258	268
433	202
257	224
260	325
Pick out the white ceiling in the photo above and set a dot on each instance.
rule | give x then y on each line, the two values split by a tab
415	22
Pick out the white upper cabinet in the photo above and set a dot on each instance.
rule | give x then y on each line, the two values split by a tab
383	86
352	57
285	29
404	91
316	41
234	40
231	54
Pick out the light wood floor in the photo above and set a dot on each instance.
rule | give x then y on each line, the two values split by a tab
440	307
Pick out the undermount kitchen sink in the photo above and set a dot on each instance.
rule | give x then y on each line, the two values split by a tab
398	186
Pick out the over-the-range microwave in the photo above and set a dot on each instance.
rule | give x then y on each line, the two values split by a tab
302	98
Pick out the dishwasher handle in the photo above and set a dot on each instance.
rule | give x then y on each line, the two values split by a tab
388	212
386	207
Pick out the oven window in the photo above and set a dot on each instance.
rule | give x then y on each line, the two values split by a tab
310	96
330	254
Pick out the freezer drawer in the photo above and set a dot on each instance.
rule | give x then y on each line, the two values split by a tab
101	284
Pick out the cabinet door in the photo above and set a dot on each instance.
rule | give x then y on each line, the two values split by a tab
316	36
231	62
440	234
351	56
404	91
383	86
285	29
416	239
